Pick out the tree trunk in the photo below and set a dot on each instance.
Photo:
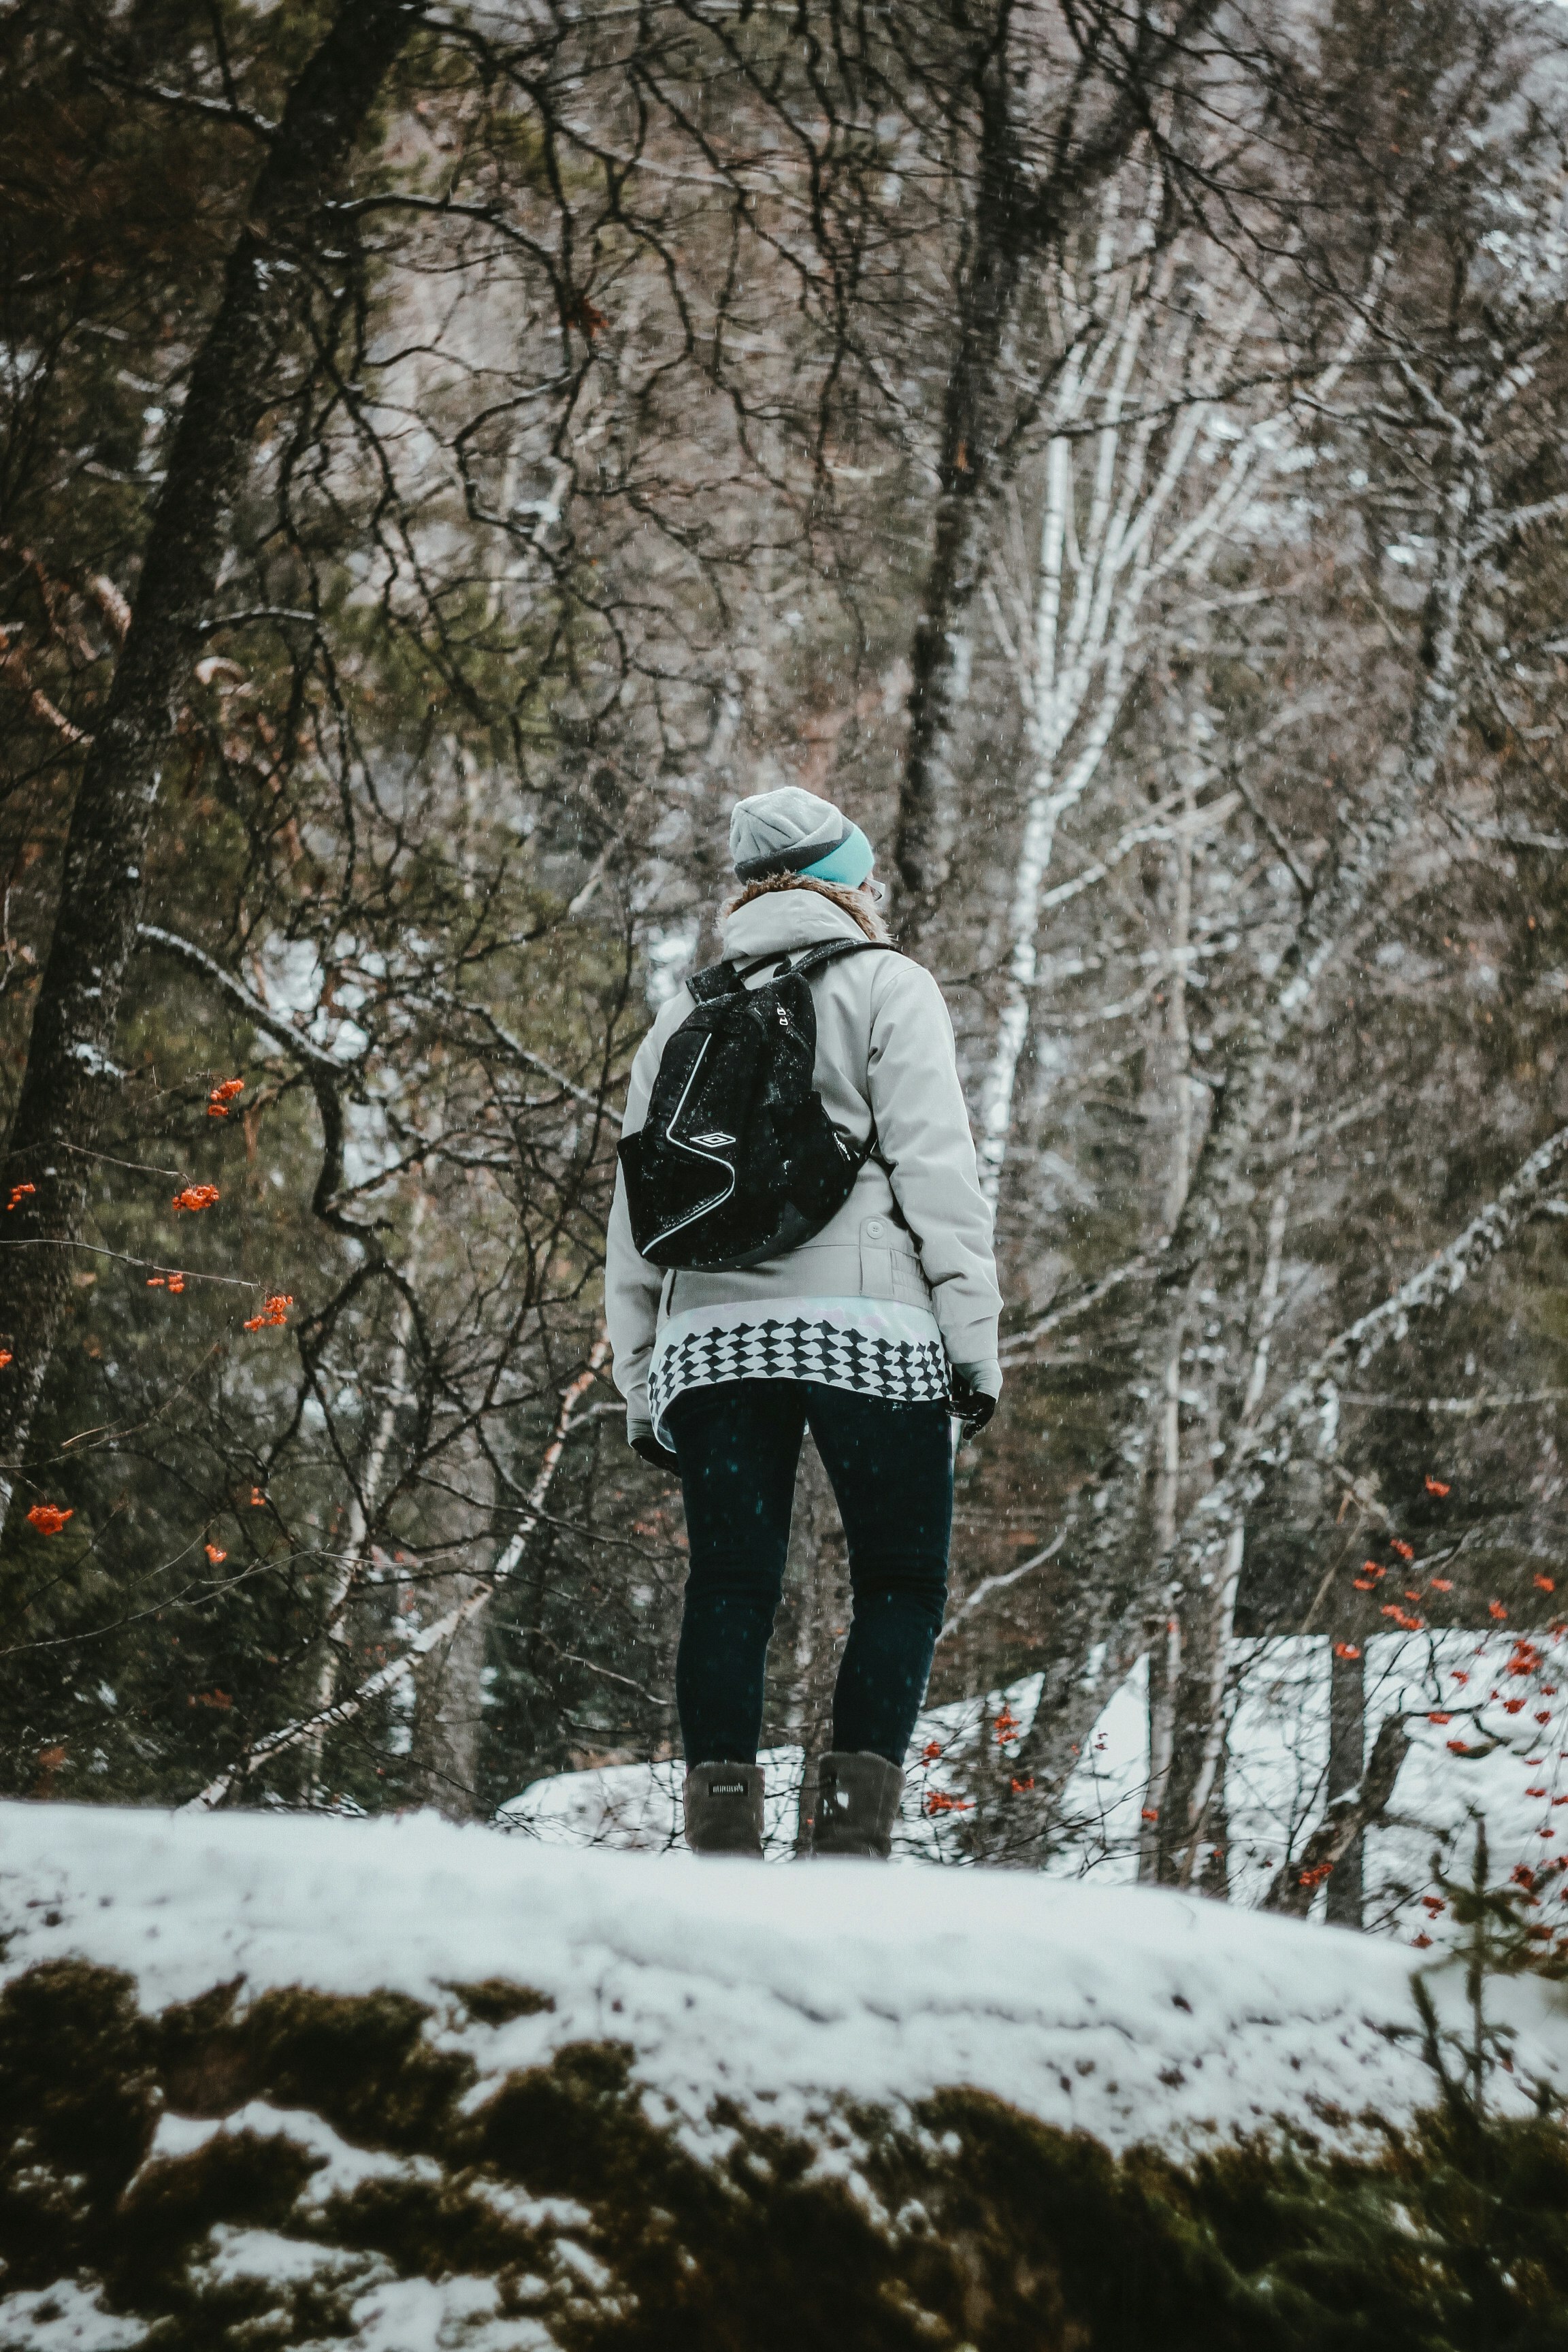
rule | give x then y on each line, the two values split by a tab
1205	1602
940	654
67	1083
1164	1670
1015	216
817	1600
1207	1620
362	1501
448	1704
1169	1661
1113	1599
1297	1882
1347	1762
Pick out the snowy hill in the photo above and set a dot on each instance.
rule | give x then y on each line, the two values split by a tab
1487	1718
732	1999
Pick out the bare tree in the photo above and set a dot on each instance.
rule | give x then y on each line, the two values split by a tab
59	1112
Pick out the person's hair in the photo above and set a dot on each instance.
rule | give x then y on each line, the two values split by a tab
858	903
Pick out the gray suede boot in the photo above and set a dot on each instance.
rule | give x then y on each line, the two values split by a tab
724	1809
856	1804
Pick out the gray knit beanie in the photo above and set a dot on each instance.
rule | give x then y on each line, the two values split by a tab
791	831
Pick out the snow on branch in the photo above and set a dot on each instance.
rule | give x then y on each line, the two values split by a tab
1459	1408
1079	1303
1488	1232
272	1024
1214	1520
190	102
990	1584
1315	1389
1202	820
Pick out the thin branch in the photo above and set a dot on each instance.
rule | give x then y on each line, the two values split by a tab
990	1584
524	1054
324	1071
1296	1883
1455	1407
187	101
390	1676
1078	1304
274	1025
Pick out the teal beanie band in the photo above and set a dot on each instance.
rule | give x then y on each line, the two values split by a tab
848	865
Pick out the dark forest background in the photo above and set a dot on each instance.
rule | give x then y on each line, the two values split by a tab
447	455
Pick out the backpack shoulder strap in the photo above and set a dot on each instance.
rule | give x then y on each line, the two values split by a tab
831	950
812	960
717	979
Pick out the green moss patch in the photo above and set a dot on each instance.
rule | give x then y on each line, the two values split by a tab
959	2222
495	2001
361	2063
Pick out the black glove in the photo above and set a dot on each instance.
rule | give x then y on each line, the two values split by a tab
971	1407
648	1446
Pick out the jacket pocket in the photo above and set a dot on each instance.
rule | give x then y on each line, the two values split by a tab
889	1266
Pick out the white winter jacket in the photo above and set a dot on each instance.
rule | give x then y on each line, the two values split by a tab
916	1231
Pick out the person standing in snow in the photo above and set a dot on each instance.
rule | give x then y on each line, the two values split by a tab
874	1332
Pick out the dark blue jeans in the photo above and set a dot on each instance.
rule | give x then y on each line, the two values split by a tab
891	1467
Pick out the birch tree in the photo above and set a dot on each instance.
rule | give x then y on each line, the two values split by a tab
1096	78
1469	446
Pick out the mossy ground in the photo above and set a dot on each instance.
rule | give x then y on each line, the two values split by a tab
959	2222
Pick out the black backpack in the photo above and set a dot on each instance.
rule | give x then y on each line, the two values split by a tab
738	1161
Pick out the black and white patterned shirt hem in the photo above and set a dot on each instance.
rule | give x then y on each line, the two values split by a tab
870	1346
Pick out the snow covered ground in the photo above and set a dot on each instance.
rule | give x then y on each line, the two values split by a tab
1132	2014
1489	1725
799	1998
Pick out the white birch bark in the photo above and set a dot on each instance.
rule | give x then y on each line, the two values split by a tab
350	1564
1221	1628
1086	653
1165	1652
1085	657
